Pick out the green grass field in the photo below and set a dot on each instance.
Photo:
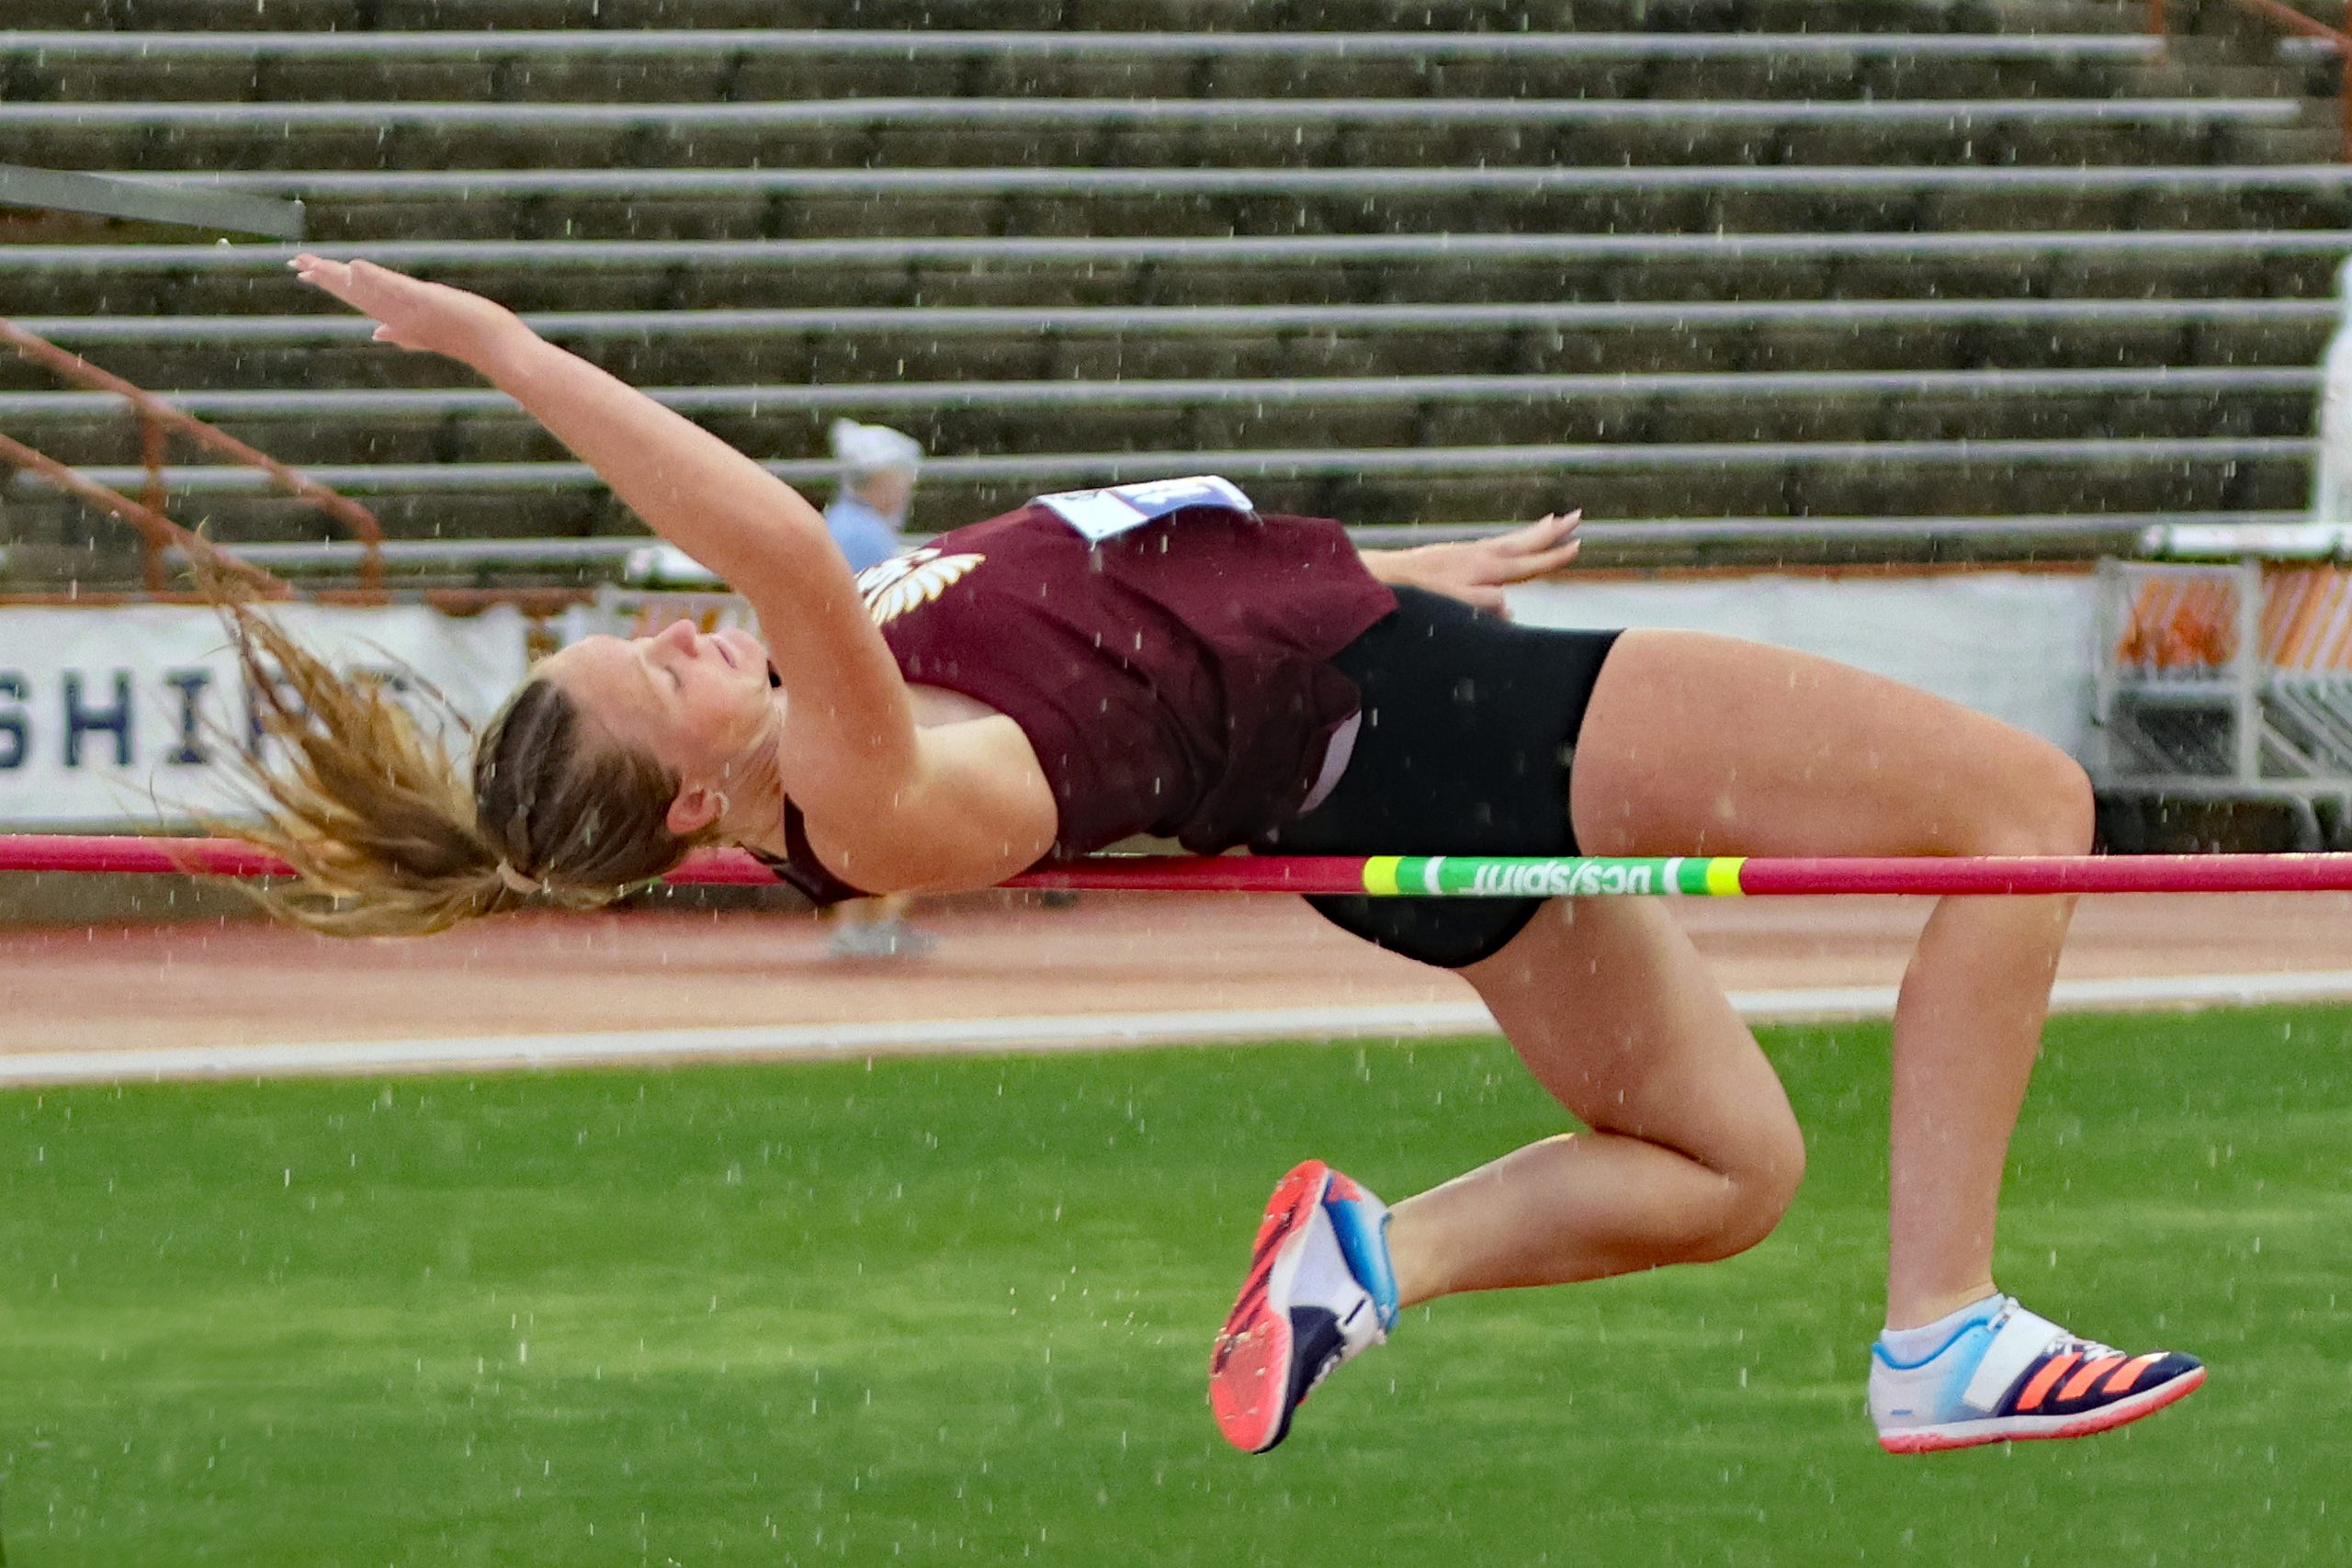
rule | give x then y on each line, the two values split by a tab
959	1311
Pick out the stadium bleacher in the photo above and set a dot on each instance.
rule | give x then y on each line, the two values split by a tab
1893	267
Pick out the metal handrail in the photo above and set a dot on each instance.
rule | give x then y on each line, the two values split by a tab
910	251
159	420
2120	532
159	531
1178	320
1046	468
928	42
1349	183
1094	114
1274	392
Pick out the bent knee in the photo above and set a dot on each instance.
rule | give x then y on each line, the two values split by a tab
2046	810
1756	1192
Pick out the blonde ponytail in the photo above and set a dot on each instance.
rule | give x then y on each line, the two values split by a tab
387	835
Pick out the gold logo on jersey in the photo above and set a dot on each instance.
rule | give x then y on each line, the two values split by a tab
910	582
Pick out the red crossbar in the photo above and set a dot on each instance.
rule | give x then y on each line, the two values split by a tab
1344	875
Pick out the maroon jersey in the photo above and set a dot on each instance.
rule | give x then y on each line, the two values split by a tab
1173	679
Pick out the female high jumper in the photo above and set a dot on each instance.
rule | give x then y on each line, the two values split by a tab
1162	659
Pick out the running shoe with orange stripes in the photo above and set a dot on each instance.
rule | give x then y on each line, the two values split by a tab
2012	1375
1320	1291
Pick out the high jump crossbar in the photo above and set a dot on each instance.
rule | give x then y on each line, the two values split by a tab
1440	876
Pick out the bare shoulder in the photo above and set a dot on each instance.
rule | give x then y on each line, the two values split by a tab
937	706
978	809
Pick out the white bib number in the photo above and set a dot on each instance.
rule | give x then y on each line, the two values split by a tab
1100	515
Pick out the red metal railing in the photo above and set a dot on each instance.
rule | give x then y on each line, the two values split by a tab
158	421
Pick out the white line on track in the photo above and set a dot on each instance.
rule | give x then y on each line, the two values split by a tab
1064	1032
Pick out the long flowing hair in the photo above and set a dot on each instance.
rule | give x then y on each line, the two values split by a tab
389	835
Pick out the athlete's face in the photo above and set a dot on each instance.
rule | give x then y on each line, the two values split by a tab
699	701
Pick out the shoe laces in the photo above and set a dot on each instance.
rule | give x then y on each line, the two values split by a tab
2088	1349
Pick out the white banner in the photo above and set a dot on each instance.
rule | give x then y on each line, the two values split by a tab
2019	645
117	718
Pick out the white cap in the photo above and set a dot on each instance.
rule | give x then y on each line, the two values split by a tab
874	448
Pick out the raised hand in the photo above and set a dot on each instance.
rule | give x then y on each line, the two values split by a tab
428	318
1477	570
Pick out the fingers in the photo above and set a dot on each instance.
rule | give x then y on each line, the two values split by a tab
1516	558
353	282
333	278
384	279
1558	556
318	270
1525	569
371	290
1544	546
1542	534
308	263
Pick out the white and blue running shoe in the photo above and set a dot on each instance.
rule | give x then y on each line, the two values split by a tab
1320	1291
2012	1375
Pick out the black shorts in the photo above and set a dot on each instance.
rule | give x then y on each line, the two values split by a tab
1469	728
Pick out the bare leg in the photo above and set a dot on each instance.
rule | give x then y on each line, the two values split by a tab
1693	1153
1968	1027
1703	745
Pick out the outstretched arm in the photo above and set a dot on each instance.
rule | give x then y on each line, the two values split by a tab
851	717
1477	570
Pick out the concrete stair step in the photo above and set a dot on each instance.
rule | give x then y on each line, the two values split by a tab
1824	16
334	221
2283	265
1737	409
719	75
850	362
1993	488
1581	133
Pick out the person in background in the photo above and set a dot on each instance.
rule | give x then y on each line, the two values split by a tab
878	465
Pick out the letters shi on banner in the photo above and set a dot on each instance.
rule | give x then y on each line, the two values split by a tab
118	718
